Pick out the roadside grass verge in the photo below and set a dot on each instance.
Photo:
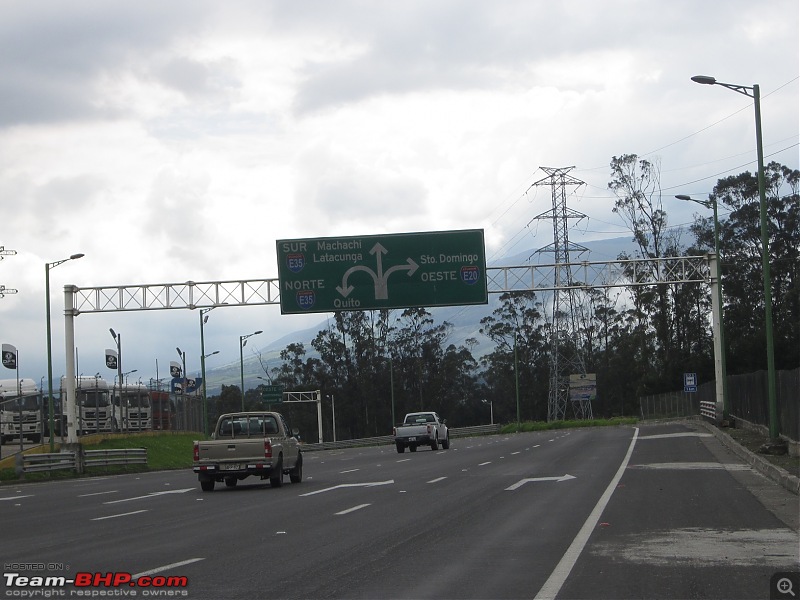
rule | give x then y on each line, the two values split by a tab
545	425
165	450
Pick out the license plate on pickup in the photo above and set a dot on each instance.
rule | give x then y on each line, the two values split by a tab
412	439
231	467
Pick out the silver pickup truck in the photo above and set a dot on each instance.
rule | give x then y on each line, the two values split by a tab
421	429
248	444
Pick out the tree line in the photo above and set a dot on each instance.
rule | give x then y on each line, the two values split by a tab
375	366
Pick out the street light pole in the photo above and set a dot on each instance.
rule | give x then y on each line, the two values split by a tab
183	389
333	415
203	319
242	344
391	385
712	203
754	93
47	267
118	339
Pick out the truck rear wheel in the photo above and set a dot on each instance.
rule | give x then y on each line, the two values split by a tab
435	443
207	485
276	477
400	448
296	474
412	448
446	443
231	482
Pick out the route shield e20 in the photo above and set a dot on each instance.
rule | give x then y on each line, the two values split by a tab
441	268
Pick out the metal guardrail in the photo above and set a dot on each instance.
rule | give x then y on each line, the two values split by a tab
37	463
124	456
33	463
460	432
385	440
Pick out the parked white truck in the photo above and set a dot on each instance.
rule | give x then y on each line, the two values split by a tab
421	429
248	444
20	410
132	410
92	404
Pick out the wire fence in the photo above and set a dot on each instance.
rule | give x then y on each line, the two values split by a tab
748	399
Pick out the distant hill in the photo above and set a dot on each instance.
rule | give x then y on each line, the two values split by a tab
464	319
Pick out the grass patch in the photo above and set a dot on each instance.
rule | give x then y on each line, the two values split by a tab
165	450
545	425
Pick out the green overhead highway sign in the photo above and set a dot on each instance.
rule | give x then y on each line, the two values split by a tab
272	393
440	268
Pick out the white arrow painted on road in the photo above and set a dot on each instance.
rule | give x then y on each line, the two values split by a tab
348	485
150	495
521	482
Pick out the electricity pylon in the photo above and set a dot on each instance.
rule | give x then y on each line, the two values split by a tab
566	349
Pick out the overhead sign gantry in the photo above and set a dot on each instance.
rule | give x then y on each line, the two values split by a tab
377	280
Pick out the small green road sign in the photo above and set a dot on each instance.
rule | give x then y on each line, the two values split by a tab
441	268
272	393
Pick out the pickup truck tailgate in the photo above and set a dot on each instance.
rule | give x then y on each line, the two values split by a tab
232	450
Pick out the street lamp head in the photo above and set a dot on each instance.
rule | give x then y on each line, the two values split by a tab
113	333
257	332
179	352
77	256
704	79
706	203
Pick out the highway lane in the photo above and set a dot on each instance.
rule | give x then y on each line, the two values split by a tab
490	518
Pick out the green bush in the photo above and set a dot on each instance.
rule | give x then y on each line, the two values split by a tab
544	425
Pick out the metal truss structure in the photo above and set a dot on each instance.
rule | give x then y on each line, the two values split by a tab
602	274
3	289
161	296
249	292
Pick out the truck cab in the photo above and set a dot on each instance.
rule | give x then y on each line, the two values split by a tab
20	410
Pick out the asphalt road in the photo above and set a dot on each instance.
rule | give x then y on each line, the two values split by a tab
658	512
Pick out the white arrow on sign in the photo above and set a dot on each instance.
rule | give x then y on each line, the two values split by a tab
379	278
521	482
347	485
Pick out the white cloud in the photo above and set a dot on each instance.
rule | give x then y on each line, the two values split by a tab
178	141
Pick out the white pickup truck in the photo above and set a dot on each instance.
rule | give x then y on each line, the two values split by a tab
421	429
245	444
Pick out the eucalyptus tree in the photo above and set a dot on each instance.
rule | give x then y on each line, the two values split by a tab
518	331
740	241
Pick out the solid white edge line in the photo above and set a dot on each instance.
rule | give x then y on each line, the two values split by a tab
355	508
136	512
559	575
166	567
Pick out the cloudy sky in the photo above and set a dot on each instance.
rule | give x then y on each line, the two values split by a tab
175	141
